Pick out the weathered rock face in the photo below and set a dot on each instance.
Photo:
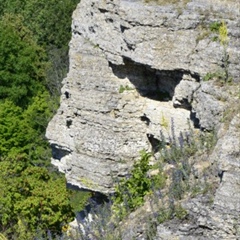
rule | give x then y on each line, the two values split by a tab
220	219
134	66
209	216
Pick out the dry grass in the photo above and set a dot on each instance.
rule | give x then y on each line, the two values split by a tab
233	106
167	2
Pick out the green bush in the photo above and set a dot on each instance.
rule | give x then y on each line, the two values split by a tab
31	198
130	192
22	131
78	199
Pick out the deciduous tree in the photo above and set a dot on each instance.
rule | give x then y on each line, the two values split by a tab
22	62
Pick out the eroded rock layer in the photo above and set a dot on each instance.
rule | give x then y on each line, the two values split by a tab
136	67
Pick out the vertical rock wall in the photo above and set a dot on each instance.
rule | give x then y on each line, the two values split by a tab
135	66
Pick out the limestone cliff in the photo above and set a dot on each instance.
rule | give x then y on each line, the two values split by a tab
135	66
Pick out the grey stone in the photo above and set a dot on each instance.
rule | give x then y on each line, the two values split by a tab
183	95
158	56
136	67
227	156
208	104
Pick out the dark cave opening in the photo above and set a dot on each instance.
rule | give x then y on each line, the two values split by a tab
58	153
154	84
158	85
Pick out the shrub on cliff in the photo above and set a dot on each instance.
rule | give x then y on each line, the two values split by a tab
130	192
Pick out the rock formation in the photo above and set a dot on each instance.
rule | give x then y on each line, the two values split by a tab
136	67
208	216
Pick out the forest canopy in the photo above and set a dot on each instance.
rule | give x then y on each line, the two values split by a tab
34	36
22	62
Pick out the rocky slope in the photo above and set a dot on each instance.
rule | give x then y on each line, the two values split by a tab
213	215
135	67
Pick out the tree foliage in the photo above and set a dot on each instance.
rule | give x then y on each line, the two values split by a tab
33	60
50	24
22	62
33	196
49	20
22	131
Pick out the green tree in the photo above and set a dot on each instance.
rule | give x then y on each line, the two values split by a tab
22	132
33	60
31	197
36	118
50	23
22	62
11	135
49	20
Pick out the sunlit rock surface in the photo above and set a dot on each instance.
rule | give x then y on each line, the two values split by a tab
135	69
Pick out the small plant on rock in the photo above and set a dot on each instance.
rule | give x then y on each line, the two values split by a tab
124	88
130	192
220	28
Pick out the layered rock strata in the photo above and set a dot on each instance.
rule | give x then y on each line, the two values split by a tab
136	67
